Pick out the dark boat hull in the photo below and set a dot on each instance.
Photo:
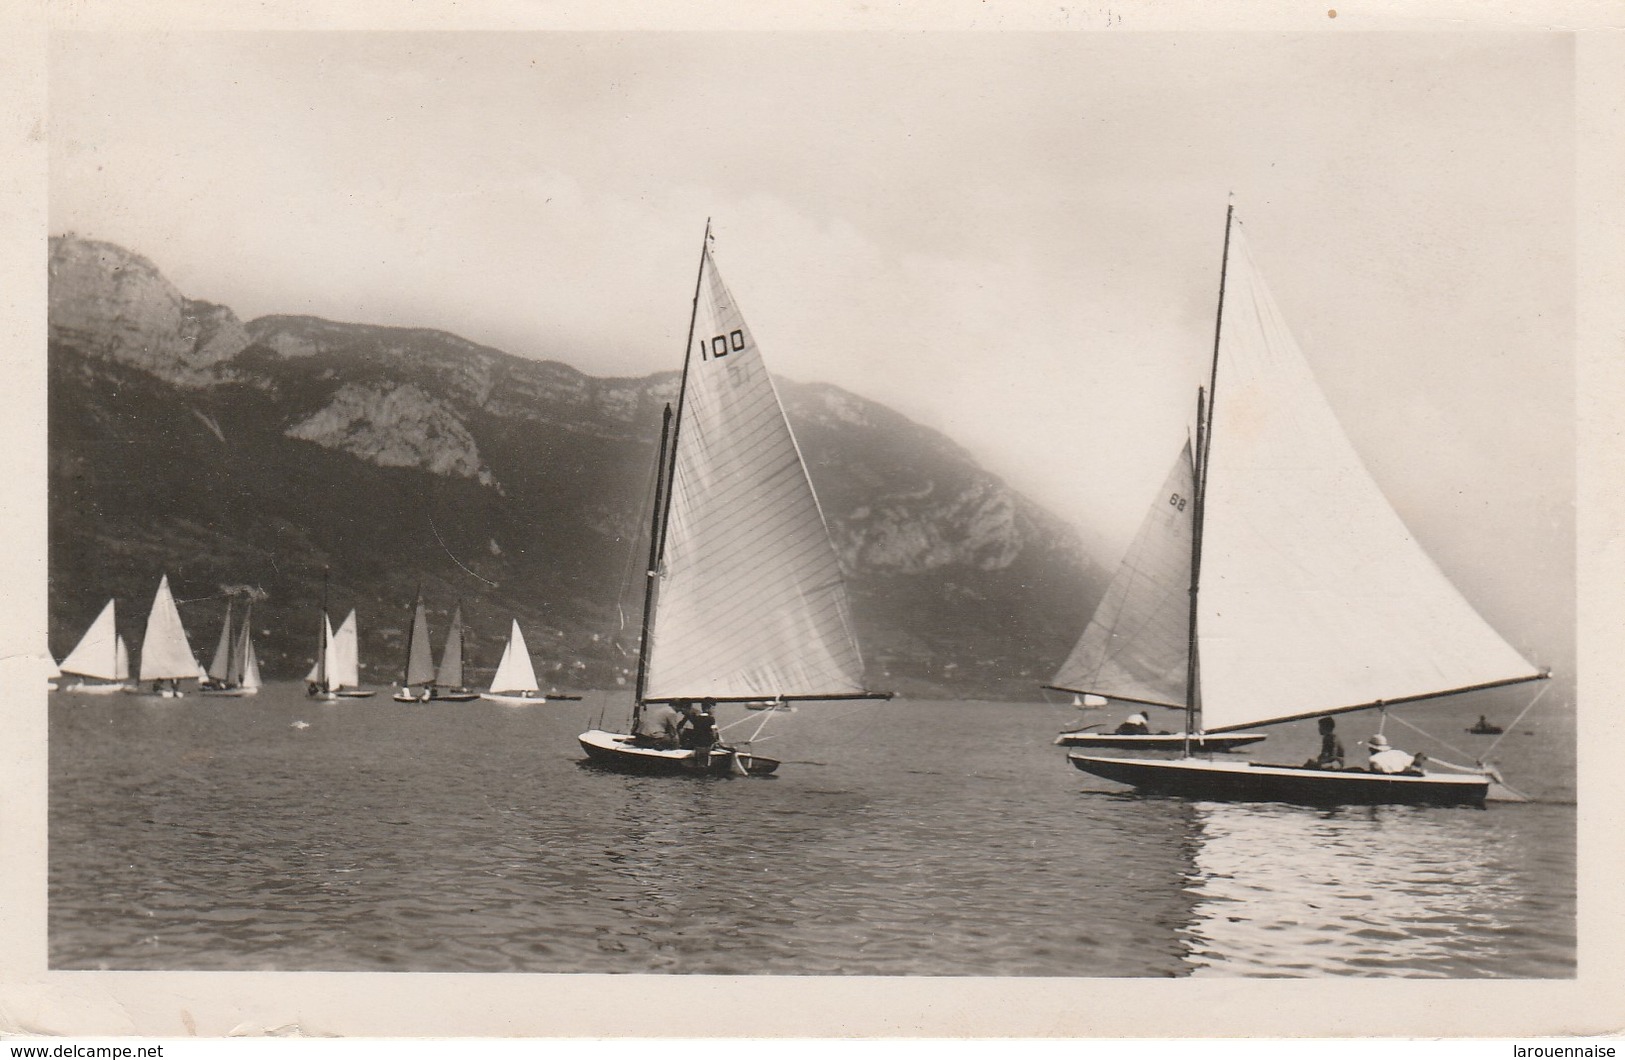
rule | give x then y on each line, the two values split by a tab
1162	741
437	697
614	750
1247	782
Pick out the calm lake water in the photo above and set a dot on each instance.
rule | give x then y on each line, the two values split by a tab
907	838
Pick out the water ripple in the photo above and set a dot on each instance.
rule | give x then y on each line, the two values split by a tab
952	839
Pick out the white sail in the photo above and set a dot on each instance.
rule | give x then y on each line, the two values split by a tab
251	669
96	654
220	668
514	672
1137	645
122	671
419	660
750	603
322	668
165	652
1313	595
344	662
450	673
240	647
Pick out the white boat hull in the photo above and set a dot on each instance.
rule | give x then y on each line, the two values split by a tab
436	697
1160	741
515	699
617	751
80	688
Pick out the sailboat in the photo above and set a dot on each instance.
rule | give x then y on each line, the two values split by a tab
743	600
234	671
448	679
1308	596
337	673
420	670
100	660
166	655
514	682
1134	647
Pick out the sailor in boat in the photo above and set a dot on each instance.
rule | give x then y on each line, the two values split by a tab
1388	759
700	731
660	727
1136	724
1331	748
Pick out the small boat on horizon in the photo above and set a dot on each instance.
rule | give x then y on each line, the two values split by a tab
448	678
514	682
771	704
235	669
166	654
337	673
421	680
100	660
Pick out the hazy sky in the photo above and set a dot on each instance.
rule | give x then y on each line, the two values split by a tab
1014	238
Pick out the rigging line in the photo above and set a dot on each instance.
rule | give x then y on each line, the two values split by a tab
650	486
1438	740
1507	731
454	559
253	592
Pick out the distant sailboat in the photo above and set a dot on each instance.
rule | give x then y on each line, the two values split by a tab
448	679
1309	596
744	600
344	677
420	671
234	670
337	673
166	655
1136	647
100	660
515	682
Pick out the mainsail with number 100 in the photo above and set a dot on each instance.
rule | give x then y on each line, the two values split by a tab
744	600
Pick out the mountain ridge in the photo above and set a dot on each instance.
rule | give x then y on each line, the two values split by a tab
224	452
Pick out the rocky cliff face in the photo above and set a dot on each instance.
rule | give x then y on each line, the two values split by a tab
111	303
404	456
398	426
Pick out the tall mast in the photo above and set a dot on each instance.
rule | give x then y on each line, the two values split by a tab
411	635
649	573
239	647
671	423
1204	439
321	639
1213	372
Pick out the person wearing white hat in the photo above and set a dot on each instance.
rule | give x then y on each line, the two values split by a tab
1134	725
1386	759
